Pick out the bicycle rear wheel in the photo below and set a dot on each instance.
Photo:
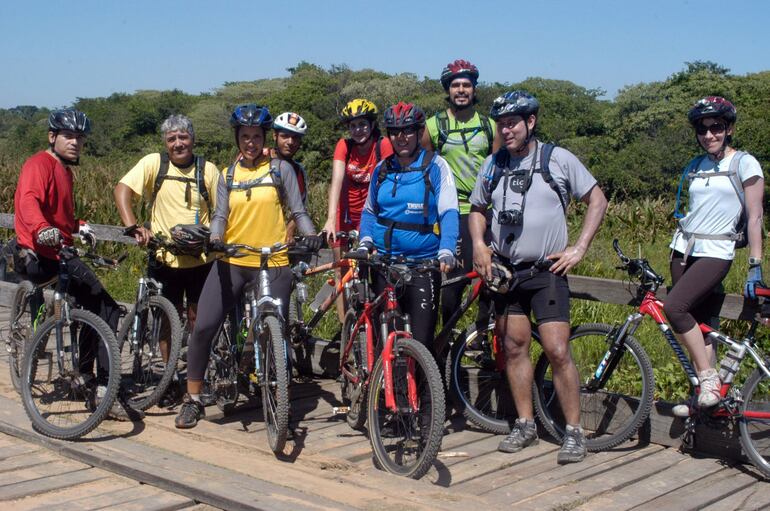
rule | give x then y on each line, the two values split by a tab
275	384
406	441
478	387
220	382
754	424
58	390
609	415
353	394
146	375
21	328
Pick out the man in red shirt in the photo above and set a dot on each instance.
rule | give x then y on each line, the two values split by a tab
44	220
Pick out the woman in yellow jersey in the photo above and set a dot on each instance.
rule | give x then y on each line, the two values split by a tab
250	199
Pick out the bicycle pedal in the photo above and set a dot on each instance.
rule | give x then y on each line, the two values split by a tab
338	410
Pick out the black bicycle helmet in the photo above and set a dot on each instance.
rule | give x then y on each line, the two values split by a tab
69	120
517	102
190	239
251	115
403	115
712	106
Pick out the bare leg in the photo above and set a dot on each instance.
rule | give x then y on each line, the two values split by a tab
555	339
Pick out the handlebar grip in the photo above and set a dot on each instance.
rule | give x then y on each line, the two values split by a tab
357	255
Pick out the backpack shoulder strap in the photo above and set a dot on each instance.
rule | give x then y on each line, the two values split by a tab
348	148
545	171
735	178
200	180
688	170
442	124
229	177
378	149
160	177
487	127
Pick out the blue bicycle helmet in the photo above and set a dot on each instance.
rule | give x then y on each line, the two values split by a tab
251	115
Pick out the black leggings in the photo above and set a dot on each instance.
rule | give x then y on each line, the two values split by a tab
89	294
222	289
694	297
451	296
418	298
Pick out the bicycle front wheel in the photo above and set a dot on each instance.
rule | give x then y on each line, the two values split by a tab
149	361
275	384
609	415
58	387
406	440
478	384
754	423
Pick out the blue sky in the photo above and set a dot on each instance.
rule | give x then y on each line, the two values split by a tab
55	51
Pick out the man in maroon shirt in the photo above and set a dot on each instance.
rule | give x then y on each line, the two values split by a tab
44	220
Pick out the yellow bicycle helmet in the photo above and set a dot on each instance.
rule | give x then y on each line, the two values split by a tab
359	108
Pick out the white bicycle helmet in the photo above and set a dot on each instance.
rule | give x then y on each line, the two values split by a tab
290	121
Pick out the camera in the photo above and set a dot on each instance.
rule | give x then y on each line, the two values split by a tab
510	217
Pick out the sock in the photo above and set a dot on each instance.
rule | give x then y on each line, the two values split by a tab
195	397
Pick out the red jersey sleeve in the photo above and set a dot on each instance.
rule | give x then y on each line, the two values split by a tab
386	148
341	150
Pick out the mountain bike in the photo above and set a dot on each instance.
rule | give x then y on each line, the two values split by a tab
401	388
749	406
58	388
260	326
149	338
28	311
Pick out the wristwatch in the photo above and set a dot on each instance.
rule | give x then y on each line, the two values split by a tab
755	261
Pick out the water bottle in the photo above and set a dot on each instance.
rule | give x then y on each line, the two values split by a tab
301	292
731	362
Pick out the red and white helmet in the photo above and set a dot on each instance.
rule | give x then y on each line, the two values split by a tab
289	121
459	69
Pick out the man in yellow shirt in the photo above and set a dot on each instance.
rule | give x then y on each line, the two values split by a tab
180	188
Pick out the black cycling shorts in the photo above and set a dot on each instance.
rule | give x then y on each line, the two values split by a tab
181	282
546	294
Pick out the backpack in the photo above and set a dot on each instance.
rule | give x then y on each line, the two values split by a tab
442	122
424	227
275	181
199	180
740	234
503	157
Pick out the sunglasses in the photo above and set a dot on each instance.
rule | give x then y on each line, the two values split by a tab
394	132
715	129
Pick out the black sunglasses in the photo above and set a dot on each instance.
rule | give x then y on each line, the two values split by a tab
715	129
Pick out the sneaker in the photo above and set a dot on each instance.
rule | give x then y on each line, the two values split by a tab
710	386
684	410
120	409
573	449
172	396
191	412
523	434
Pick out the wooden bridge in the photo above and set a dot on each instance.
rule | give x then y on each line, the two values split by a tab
225	462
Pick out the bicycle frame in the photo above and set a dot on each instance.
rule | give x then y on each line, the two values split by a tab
339	288
653	307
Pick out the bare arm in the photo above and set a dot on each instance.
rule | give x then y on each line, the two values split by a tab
567	259
335	189
482	254
754	191
123	198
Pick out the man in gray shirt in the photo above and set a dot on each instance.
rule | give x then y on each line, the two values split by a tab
530	240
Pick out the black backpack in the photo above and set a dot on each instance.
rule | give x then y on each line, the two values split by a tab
198	180
442	122
503	157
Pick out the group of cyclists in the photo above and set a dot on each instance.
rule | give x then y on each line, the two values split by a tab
468	190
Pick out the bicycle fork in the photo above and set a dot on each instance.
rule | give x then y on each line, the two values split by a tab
387	364
615	351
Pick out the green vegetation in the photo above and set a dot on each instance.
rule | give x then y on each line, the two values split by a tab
635	145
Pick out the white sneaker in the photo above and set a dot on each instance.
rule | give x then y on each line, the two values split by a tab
684	410
710	385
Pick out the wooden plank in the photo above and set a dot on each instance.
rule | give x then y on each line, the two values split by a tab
32	457
667	480
138	496
570	485
91	491
52	482
756	496
720	487
162	502
39	471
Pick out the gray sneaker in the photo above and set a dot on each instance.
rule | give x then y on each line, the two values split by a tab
523	434
573	449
